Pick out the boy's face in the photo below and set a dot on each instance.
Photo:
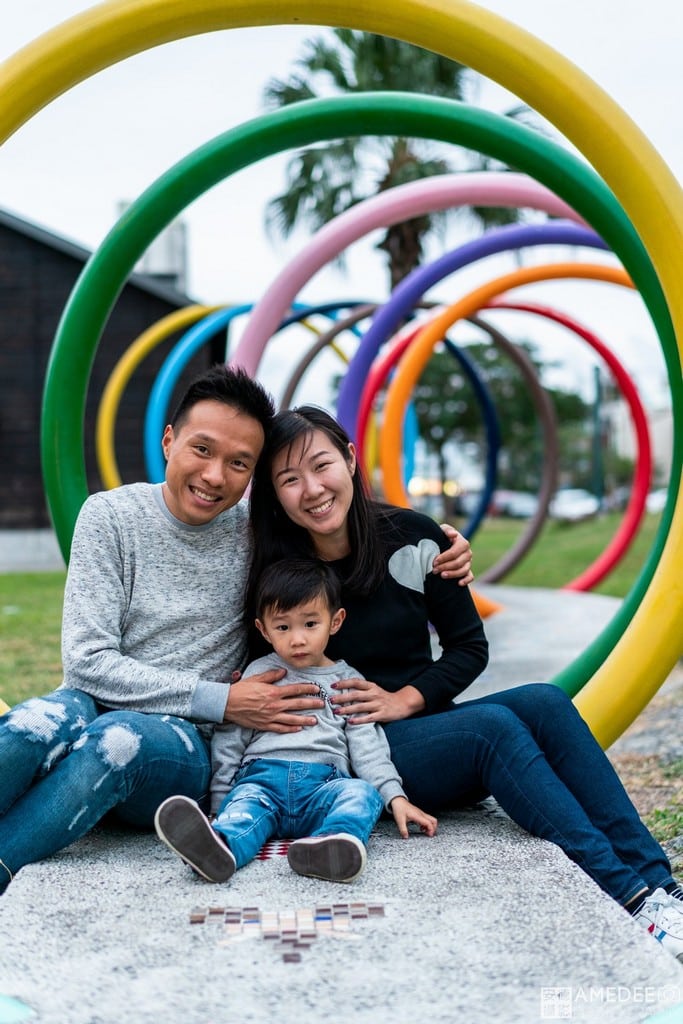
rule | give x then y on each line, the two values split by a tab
300	635
210	458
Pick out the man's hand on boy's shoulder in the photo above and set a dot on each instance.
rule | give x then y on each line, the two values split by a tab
254	702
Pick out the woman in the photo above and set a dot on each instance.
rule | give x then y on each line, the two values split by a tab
527	747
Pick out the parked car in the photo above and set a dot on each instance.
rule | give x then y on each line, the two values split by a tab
515	504
521	505
572	504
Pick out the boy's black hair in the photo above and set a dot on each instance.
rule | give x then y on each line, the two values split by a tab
231	386
294	581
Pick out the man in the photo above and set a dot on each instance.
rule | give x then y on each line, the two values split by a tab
152	635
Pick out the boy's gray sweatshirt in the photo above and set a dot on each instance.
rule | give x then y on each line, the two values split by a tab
360	750
154	608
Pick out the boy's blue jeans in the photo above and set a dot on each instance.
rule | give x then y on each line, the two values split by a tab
530	749
63	765
293	799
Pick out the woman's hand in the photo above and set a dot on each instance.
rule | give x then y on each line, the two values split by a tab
404	813
362	701
457	561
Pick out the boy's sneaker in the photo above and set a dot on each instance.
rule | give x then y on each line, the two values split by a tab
183	826
664	921
336	858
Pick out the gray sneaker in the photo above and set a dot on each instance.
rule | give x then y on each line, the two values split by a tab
336	858
664	921
183	826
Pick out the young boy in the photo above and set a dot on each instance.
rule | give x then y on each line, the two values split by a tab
294	785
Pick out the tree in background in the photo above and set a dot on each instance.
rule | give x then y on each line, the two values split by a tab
325	180
449	417
448	414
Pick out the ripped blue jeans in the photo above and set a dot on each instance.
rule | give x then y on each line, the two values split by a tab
64	763
290	800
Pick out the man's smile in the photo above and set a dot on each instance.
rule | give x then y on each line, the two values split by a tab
203	495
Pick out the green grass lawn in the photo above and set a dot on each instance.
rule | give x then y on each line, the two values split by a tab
564	550
30	623
31	603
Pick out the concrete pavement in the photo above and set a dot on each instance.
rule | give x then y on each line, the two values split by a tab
481	923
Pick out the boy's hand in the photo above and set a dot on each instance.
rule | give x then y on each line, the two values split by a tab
404	813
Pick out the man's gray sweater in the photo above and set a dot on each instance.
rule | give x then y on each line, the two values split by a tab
154	608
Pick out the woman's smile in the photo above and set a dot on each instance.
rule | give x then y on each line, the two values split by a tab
320	510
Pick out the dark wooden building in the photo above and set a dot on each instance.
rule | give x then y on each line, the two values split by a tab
37	273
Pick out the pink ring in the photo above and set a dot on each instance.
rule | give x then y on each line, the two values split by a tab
486	188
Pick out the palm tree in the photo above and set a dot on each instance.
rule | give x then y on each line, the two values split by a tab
325	180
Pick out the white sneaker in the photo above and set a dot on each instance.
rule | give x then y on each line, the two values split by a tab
663	918
336	858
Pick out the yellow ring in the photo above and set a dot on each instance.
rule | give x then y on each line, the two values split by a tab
105	426
121	374
531	69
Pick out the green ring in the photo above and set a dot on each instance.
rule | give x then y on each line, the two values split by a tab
105	274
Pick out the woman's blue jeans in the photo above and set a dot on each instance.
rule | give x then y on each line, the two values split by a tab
530	749
64	764
292	799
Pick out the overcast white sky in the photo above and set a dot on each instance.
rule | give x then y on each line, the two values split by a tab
110	137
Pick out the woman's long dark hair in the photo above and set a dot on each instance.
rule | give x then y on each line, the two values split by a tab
276	536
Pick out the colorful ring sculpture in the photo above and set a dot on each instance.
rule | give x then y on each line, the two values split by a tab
104	274
177	359
636	505
539	76
348	322
376	380
626	532
631	245
412	289
415	357
122	373
414	199
549	470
